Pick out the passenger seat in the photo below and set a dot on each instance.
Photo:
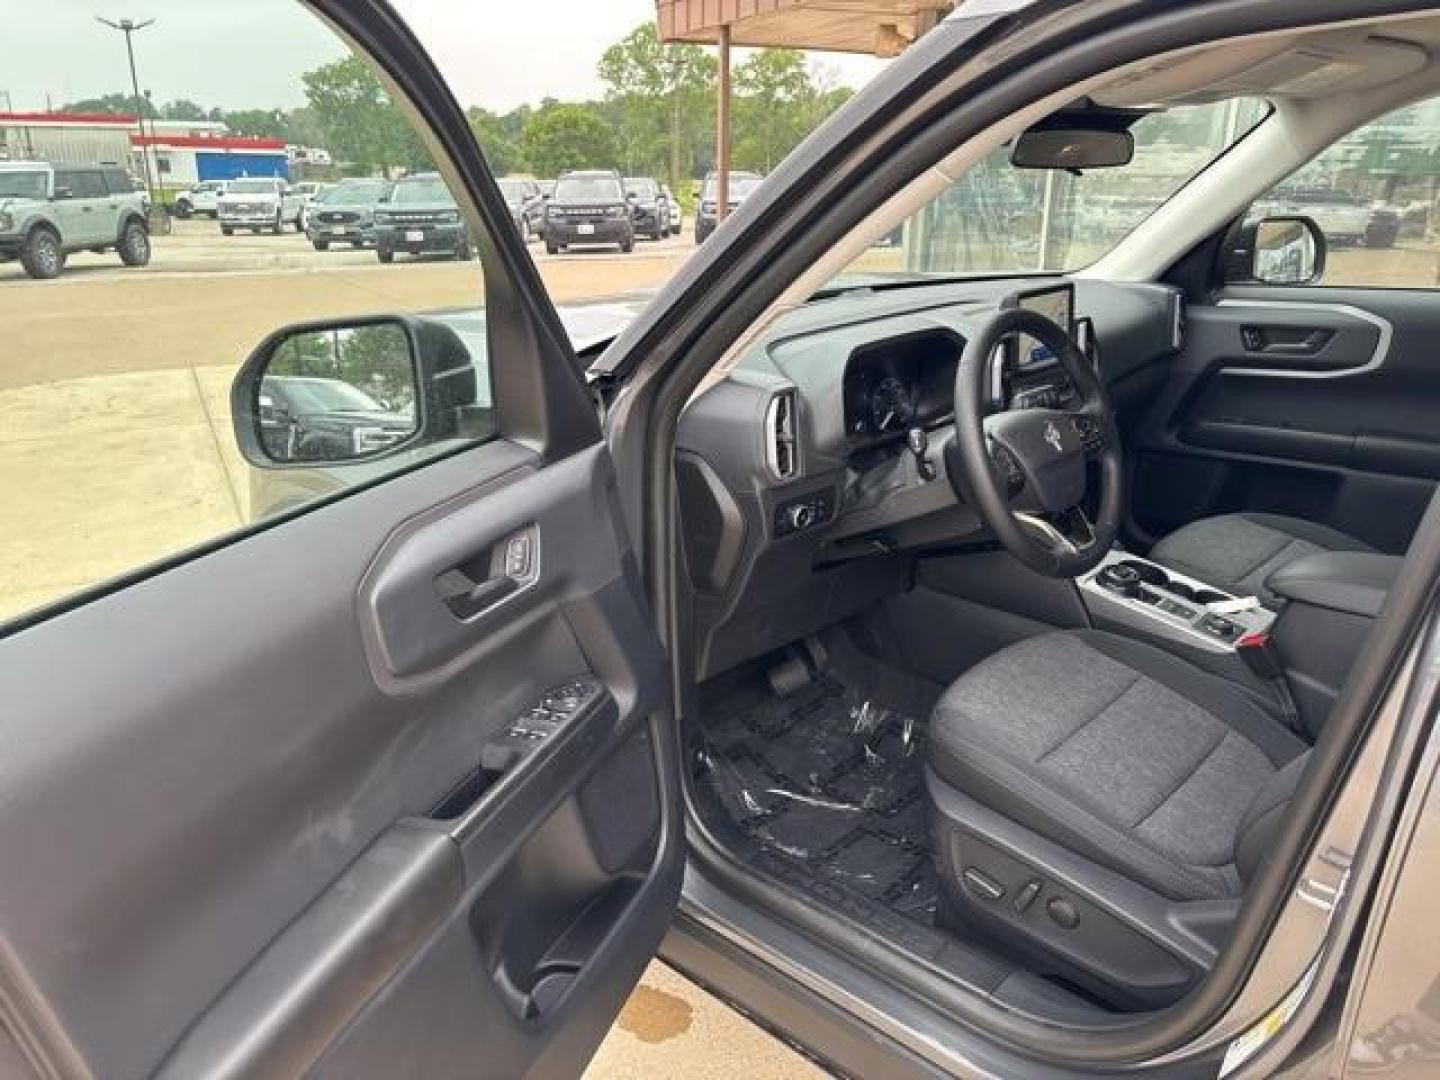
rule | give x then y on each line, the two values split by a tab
1237	552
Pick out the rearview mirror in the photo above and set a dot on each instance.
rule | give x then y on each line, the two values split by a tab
1055	147
1282	250
351	390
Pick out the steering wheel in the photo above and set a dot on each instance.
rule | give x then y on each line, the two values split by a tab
1026	469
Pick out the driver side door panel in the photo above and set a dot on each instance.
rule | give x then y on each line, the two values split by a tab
247	848
1311	402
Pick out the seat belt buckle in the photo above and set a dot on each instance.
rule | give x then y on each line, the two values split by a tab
1257	649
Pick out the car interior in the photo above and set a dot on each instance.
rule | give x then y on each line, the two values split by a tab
1018	602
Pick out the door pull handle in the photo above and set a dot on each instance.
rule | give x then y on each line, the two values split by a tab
467	598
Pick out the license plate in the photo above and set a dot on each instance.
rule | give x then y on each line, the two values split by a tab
414	236
585	228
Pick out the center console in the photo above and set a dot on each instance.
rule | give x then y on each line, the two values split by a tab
1134	594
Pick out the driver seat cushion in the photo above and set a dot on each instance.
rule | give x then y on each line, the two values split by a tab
1121	753
1237	552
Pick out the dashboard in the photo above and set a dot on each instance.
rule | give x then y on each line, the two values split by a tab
810	475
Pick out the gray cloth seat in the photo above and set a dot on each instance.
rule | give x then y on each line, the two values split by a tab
1123	754
1237	552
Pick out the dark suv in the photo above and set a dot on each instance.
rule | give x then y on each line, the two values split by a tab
741	185
345	213
304	418
650	211
589	208
420	217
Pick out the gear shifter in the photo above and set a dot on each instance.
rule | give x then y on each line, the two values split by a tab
919	444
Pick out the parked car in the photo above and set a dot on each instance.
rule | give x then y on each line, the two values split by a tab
1345	219
525	203
48	211
307	418
344	213
674	216
419	217
589	207
648	207
741	185
202	200
256	203
306	191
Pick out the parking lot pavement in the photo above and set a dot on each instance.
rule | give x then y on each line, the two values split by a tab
671	1027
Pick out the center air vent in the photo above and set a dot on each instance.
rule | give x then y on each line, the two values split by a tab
781	452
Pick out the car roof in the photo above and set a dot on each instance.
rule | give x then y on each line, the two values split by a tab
24	166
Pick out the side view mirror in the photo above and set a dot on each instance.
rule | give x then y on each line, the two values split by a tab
64	192
1281	250
351	390
630	196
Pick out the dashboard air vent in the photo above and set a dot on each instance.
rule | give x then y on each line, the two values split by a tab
781	452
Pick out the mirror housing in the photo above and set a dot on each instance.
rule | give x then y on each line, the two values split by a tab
1281	250
1072	146
383	384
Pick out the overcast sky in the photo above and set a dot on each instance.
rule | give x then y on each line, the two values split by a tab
250	53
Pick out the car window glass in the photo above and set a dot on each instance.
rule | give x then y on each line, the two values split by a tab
22	183
1001	218
582	187
119	447
1373	195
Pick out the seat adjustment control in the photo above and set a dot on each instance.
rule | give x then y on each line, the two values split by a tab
1026	896
983	885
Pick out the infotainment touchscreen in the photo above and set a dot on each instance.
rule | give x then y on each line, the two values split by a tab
1056	303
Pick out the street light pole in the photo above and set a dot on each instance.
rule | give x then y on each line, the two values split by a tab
129	27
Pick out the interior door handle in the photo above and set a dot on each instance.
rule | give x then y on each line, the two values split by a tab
467	598
1285	340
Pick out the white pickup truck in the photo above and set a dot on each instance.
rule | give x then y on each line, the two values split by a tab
202	199
257	203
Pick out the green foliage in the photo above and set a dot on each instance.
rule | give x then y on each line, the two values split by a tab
257	123
660	98
361	124
499	142
112	103
777	103
560	137
182	109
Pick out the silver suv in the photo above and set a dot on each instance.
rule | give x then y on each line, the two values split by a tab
48	211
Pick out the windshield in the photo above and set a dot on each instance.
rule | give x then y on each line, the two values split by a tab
309	397
22	185
588	187
741	185
251	187
353	194
422	191
1000	219
641	187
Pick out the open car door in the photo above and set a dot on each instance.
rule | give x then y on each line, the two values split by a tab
379	785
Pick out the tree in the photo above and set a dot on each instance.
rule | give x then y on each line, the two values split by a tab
560	137
257	123
182	109
112	103
361	124
500	145
660	99
772	91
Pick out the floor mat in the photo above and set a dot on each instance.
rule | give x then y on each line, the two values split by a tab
827	782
